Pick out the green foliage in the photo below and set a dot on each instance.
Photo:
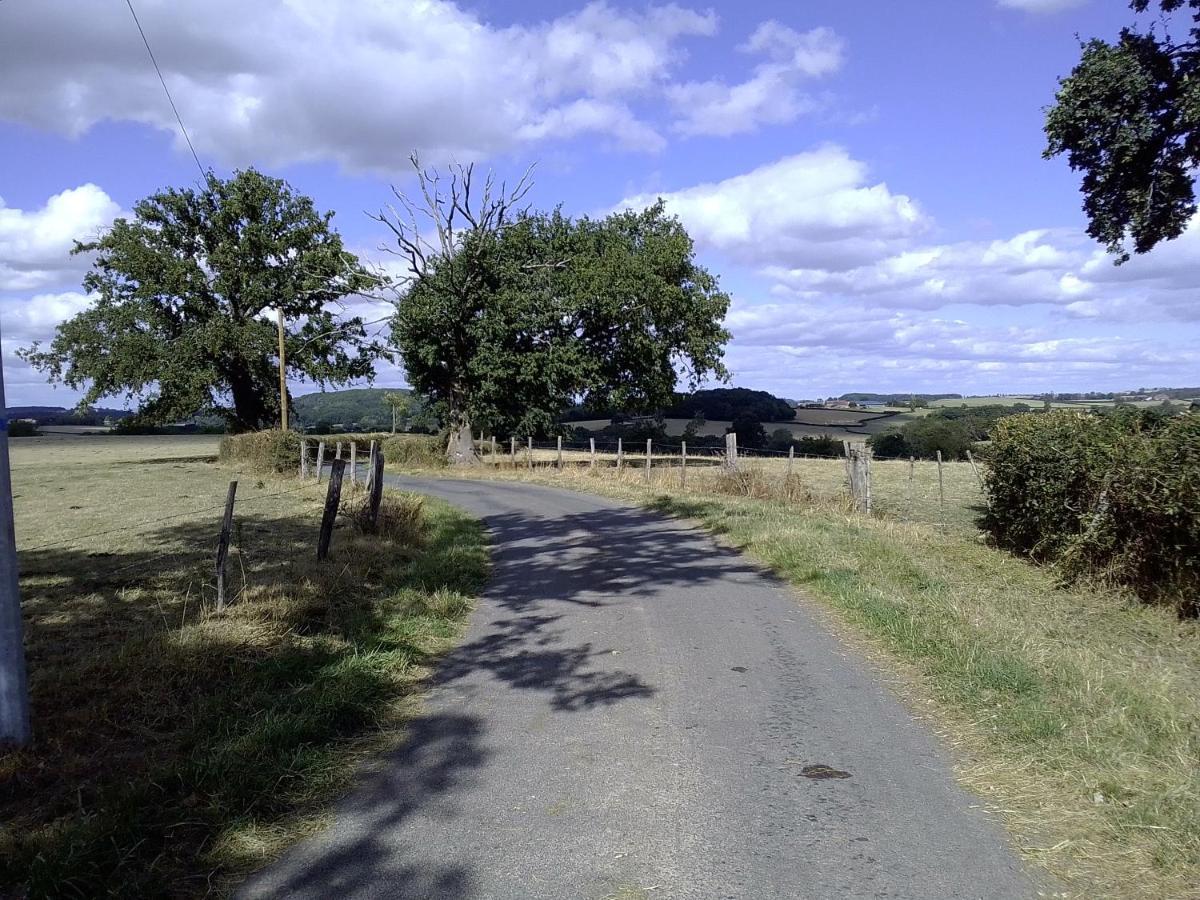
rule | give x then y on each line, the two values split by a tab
1128	117
1116	495
185	292
750	432
889	444
264	451
730	403
412	451
362	409
527	316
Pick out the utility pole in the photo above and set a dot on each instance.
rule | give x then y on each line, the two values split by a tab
14	688
283	410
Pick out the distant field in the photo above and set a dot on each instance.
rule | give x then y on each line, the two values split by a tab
846	425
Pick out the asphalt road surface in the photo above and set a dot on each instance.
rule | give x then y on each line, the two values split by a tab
637	712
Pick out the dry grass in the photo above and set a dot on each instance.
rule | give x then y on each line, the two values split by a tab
176	747
1076	712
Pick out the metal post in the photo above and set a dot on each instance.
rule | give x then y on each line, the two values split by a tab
14	689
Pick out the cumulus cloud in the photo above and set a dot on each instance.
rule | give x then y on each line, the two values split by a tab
771	95
35	244
360	83
814	209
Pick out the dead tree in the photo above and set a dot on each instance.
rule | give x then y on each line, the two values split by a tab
435	226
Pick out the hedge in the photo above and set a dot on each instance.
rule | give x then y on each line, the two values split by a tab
1115	496
279	451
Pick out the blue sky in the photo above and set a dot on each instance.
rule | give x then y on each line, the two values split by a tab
865	178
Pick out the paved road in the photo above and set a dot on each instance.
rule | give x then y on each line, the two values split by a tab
631	714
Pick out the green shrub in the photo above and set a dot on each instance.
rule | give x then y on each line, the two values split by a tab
22	428
266	451
415	451
1116	496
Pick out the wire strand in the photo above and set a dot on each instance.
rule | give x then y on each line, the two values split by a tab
166	90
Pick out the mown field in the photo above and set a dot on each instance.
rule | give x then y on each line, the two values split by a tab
1074	712
176	747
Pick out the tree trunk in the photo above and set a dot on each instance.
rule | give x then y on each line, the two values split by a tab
251	410
460	450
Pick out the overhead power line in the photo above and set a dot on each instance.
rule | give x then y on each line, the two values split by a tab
166	90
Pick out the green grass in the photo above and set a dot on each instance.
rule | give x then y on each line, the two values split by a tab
1075	712
177	748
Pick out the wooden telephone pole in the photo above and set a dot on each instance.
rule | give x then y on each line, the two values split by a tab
14	690
283	410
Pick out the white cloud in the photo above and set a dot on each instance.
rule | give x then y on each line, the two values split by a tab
771	96
360	82
35	245
1040	6
814	209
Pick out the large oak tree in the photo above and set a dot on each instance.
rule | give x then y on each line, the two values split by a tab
513	315
186	293
1128	118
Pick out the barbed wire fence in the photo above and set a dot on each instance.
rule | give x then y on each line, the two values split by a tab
944	493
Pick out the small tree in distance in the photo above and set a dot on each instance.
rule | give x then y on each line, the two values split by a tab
401	404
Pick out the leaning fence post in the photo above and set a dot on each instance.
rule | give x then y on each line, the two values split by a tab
620	453
592	446
649	453
320	459
223	544
529	454
353	462
975	468
333	499
560	453
303	459
941	490
376	495
683	468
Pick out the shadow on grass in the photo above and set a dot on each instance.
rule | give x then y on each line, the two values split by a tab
165	734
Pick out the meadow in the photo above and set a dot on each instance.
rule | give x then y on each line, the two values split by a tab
177	747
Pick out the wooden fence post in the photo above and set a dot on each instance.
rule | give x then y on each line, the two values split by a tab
376	495
353	462
683	468
858	468
320	459
560	453
333	499
975	468
223	544
620	453
371	466
338	454
303	459
493	456
912	471
731	452
941	489
649	455
529	454
791	459
513	451
592	445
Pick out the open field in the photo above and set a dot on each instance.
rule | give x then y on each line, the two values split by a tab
903	491
175	747
848	425
1075	711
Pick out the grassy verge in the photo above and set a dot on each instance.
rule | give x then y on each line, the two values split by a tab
1076	711
176	748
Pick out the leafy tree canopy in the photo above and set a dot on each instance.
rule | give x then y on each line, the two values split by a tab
518	318
1128	118
185	293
